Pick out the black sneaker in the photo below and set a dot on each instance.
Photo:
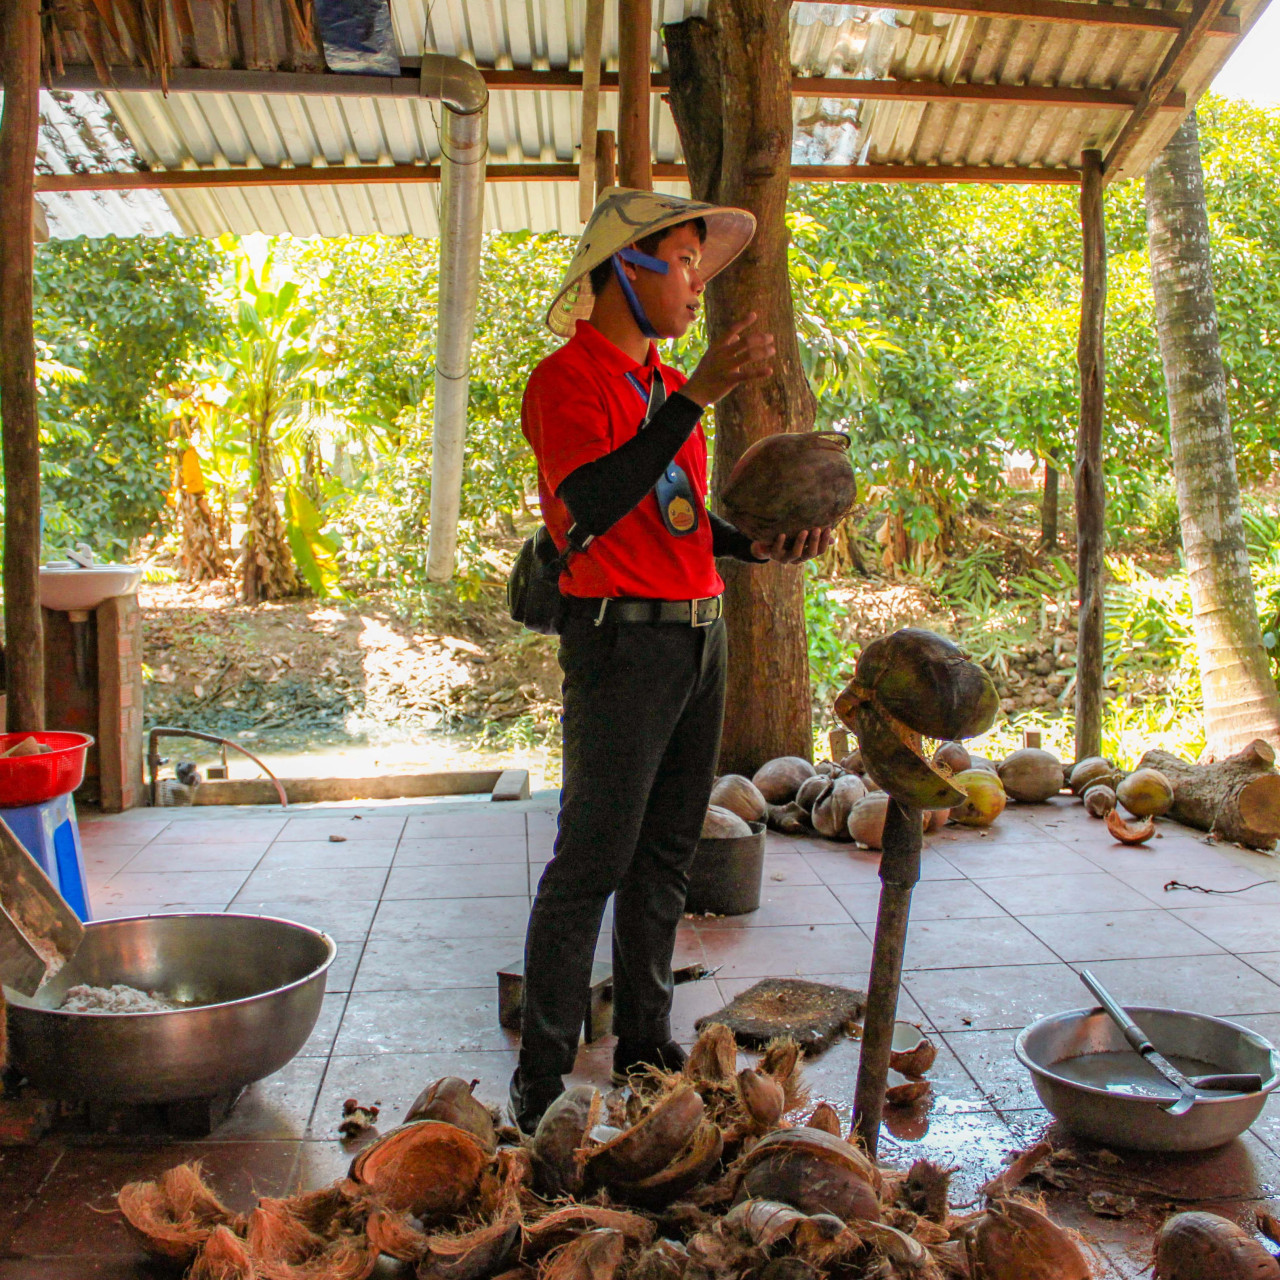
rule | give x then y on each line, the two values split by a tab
530	1099
631	1056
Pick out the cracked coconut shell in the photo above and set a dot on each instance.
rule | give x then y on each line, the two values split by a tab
1204	1246
1015	1241
790	482
812	1171
426	1168
651	1144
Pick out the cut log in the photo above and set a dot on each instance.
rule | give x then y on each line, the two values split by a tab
1237	799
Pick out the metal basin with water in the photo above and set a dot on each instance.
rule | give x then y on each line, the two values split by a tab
1056	1050
256	984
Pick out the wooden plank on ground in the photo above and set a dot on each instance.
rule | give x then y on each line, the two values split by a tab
390	786
512	784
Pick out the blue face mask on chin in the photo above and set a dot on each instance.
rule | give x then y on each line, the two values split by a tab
648	263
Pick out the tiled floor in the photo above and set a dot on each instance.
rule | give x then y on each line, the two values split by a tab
426	901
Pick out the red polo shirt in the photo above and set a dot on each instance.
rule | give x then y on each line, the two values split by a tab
580	405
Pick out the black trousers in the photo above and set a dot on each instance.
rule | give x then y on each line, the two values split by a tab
643	705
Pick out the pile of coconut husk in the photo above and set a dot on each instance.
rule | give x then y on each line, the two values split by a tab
712	1173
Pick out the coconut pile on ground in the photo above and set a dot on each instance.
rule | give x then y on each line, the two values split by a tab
714	1173
841	800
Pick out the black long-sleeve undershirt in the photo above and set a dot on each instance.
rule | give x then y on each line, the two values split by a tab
599	493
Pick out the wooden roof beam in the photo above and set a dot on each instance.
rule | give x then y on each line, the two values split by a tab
198	80
345	175
1163	84
1070	12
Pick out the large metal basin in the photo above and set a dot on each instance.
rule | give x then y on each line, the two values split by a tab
1141	1123
259	982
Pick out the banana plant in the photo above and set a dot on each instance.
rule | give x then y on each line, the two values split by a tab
272	369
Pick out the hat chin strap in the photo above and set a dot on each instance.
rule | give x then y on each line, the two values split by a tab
638	259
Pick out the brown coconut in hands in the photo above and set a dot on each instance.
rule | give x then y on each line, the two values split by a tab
906	685
791	482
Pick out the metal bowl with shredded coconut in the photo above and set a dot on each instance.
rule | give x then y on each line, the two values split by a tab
118	998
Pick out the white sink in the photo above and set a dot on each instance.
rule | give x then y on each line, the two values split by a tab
65	585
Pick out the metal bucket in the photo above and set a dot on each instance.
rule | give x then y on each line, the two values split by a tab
254	984
1138	1122
726	875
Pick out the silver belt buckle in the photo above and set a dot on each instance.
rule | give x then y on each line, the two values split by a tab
693	612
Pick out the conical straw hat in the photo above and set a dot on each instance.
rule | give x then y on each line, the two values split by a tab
623	216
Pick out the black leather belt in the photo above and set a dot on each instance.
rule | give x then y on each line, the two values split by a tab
691	613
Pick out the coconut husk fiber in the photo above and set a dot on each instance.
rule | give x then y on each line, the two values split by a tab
814	1014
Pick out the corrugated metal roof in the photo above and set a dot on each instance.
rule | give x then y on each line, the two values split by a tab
190	130
78	134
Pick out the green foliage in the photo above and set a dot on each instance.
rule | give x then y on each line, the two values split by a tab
314	552
116	321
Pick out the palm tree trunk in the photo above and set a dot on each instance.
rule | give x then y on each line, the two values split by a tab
1240	699
731	99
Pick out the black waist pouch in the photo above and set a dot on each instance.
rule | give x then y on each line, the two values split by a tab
533	586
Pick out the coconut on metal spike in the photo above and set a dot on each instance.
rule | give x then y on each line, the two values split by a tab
926	682
892	751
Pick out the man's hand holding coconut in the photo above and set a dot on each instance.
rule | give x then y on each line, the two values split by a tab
622	475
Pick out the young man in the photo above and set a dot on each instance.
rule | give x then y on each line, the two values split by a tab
622	465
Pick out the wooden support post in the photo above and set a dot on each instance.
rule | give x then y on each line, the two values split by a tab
635	36
593	39
23	625
1090	492
606	160
899	874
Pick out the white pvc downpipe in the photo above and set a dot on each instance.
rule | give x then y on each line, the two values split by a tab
463	147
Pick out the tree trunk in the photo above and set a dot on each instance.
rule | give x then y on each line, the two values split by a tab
1049	503
23	624
731	98
1237	798
266	563
1240	700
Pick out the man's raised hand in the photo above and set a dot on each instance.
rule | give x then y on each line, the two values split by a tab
737	358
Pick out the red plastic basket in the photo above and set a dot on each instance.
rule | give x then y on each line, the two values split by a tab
28	780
